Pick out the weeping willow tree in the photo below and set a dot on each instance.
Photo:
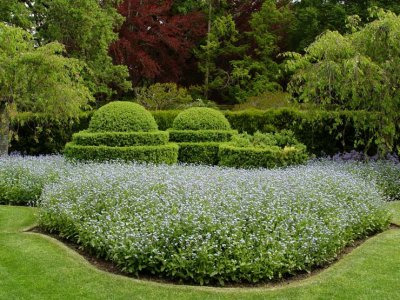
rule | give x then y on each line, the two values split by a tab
36	79
355	71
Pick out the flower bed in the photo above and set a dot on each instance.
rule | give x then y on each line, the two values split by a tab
210	225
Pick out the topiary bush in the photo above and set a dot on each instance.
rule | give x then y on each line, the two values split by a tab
201	118
266	150
199	153
122	116
199	131
122	131
167	153
120	139
195	136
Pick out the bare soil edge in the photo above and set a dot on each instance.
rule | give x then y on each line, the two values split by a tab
111	267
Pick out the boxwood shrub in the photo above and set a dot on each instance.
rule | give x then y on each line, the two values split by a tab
122	116
201	135
199	153
122	131
199	131
262	150
267	157
201	118
167	153
120	139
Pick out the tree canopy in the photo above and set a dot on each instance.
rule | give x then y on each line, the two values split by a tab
37	79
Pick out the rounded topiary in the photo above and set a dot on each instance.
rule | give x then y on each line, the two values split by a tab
201	118
122	116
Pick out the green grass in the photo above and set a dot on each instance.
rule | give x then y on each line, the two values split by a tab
33	266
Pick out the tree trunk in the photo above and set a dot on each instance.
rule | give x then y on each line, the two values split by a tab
4	129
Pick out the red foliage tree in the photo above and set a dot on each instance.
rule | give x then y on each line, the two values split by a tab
153	42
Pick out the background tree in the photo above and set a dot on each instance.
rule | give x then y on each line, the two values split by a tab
357	71
154	43
163	96
37	79
241	64
86	28
313	17
15	12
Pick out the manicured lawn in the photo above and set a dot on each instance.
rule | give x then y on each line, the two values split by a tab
33	266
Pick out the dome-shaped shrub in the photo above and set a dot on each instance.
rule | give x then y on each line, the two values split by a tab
201	118
122	116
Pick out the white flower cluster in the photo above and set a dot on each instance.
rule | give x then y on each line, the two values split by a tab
213	225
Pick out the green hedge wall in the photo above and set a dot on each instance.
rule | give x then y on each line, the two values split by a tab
120	139
269	157
321	131
199	153
36	134
155	154
201	135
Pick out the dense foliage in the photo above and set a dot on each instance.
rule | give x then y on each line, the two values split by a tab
201	118
121	116
198	136
199	131
268	150
37	79
211	225
122	131
229	49
357	71
157	154
323	132
154	43
120	139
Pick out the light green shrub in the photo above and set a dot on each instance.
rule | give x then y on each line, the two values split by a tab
201	118
121	116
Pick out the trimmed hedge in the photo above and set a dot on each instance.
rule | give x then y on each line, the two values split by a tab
120	139
201	118
165	118
167	154
268	157
122	116
322	132
37	134
199	153
201	135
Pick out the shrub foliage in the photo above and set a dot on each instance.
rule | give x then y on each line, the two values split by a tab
122	116
122	131
120	139
201	118
201	135
167	153
262	150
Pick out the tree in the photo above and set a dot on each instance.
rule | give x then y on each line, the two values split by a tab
241	64
220	43
162	96
154	43
357	71
87	29
37	79
15	12
313	17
